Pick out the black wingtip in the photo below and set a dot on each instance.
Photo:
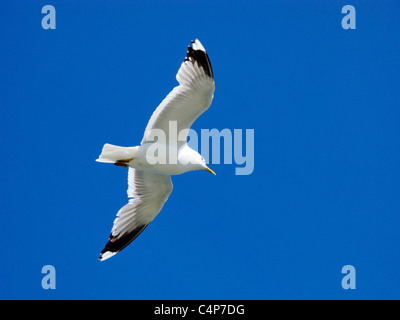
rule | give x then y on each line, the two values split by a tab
202	59
116	243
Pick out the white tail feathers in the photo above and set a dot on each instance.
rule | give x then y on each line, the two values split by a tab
112	154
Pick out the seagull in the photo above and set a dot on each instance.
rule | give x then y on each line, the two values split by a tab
149	178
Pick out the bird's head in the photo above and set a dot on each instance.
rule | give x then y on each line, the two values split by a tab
193	159
203	164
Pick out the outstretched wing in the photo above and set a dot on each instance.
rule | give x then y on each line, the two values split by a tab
186	102
148	192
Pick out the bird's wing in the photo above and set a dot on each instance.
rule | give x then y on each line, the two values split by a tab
186	102
148	192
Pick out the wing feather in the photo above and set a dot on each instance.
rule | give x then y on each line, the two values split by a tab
148	192
186	102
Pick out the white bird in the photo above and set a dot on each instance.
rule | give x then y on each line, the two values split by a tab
149	179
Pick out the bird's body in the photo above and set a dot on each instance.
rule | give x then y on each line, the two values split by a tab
176	159
163	151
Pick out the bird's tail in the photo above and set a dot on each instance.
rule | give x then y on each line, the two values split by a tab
117	155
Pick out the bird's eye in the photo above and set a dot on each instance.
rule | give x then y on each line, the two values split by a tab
202	159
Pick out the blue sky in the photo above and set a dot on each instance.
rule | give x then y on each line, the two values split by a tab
323	102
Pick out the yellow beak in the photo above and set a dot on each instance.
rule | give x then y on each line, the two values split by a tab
209	170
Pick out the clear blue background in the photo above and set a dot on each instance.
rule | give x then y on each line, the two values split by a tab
324	103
